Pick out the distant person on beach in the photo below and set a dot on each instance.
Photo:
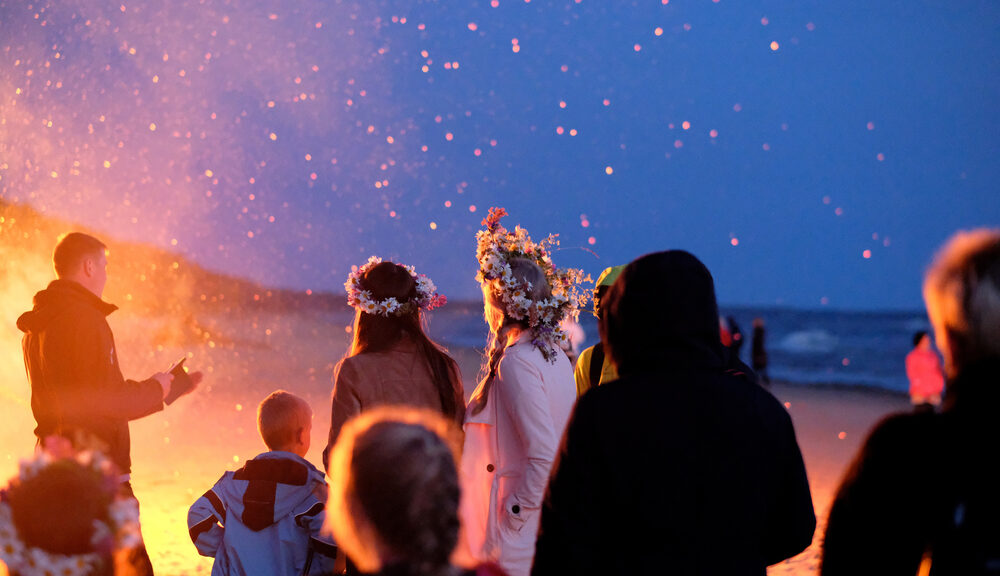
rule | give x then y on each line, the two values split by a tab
737	338
923	369
517	413
921	496
758	352
593	366
395	496
77	388
64	515
391	361
264	517
679	466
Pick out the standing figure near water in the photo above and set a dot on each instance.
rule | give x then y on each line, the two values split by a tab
923	369
517	413
391	361
593	367
921	496
758	352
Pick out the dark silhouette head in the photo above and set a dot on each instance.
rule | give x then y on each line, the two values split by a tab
662	305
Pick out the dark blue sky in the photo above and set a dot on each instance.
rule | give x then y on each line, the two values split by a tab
871	127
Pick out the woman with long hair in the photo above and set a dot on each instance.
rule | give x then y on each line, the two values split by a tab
391	360
394	500
516	416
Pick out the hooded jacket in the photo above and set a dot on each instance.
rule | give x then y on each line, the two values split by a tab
681	465
77	387
259	519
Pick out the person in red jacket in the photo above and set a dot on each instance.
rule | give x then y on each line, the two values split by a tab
77	388
923	368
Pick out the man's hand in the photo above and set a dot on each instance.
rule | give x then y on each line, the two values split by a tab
164	379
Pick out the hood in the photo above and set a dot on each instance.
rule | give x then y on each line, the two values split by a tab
269	487
661	313
59	296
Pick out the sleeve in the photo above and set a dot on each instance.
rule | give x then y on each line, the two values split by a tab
563	545
345	404
92	381
581	371
792	520
521	393
207	522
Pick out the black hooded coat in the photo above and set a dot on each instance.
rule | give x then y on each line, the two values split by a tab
77	387
679	466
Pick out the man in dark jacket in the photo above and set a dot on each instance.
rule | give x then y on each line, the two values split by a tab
679	466
77	388
923	494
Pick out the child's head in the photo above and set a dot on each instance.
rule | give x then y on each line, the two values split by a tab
394	491
921	340
285	422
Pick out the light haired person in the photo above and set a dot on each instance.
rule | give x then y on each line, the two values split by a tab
263	518
394	496
922	497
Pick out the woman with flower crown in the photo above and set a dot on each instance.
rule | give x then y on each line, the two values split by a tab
391	361
516	416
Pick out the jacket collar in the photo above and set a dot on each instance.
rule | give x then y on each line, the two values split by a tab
72	289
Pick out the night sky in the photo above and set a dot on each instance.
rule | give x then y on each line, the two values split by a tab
811	153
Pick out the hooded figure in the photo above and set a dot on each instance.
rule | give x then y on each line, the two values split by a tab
678	465
77	387
259	519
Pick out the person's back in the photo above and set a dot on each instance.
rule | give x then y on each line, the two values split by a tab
678	466
261	518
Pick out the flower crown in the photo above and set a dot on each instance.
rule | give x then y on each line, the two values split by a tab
121	532
495	247
427	297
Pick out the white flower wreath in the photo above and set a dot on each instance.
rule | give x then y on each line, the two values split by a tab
427	297
123	531
495	247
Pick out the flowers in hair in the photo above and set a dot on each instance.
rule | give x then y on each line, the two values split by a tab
495	247
361	299
121	530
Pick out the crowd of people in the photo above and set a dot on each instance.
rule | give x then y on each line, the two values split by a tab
659	452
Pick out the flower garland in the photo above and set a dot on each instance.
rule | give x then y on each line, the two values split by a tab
427	297
495	247
122	532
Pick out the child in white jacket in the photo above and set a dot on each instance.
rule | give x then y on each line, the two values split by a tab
261	518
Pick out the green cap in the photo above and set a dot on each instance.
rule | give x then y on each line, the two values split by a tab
605	280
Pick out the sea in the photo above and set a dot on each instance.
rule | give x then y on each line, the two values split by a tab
806	347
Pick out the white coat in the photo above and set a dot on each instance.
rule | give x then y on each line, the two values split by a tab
509	450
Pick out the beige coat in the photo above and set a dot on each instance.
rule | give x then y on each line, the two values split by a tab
398	376
509	449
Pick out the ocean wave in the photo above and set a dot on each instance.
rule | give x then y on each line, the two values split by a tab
809	342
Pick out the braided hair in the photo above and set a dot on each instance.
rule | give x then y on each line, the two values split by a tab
395	492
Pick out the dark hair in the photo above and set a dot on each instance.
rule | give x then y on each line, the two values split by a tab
71	249
662	304
918	336
374	333
55	510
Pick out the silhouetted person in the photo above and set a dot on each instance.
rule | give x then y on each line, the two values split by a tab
922	494
77	387
923	369
758	352
678	466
